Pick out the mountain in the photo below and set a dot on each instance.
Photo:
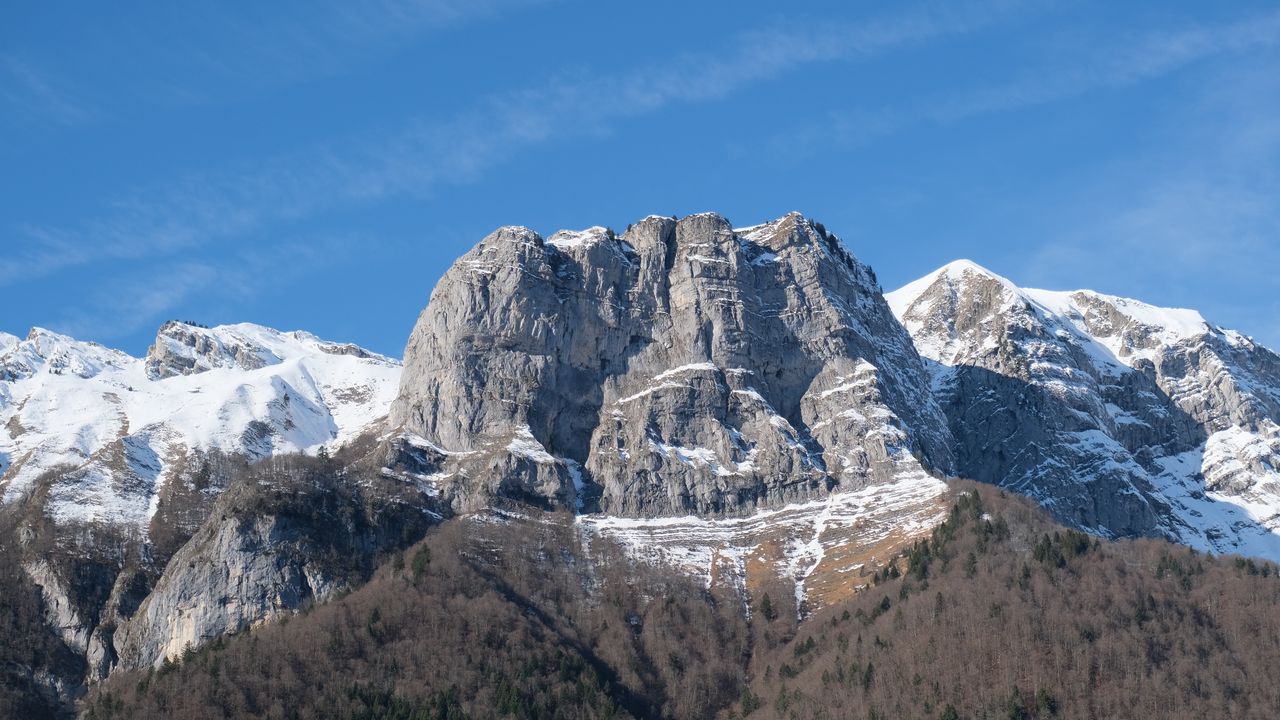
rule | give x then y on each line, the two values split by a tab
119	429
1122	418
113	464
672	383
681	367
743	407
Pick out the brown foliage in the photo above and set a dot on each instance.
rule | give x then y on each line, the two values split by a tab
481	619
999	614
1003	615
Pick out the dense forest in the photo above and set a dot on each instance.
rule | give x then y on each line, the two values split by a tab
494	617
998	614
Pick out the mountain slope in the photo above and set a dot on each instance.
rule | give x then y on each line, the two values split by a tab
738	405
120	428
1121	417
111	464
1002	613
999	613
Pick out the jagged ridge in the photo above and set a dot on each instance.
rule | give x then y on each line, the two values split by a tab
1121	417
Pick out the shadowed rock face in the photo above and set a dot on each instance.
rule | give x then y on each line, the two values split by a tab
682	367
1122	418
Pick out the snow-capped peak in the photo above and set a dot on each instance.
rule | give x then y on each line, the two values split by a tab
58	354
186	349
1110	316
236	388
953	273
1154	401
1122	330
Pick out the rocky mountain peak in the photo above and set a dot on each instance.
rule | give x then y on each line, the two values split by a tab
1080	398
1130	329
680	367
567	240
45	350
183	348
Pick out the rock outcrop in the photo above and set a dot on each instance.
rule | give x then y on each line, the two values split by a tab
682	367
286	533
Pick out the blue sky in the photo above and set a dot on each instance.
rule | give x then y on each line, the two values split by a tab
318	165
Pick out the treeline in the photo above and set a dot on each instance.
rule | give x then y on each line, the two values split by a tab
999	613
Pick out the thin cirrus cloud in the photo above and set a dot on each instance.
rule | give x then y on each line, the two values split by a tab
1129	60
124	304
35	96
269	44
132	302
1209	212
208	53
1125	60
191	212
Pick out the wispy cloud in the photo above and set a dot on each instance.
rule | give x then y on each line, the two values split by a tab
1124	60
126	304
1192	222
138	298
35	96
183	214
1121	60
210	52
267	44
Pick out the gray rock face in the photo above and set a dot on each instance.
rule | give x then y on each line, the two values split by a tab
287	531
184	349
682	367
232	576
1122	418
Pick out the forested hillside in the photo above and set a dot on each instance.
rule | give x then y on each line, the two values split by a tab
1003	615
1000	614
486	617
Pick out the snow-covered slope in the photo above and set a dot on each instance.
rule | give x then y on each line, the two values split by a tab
117	428
829	548
1119	416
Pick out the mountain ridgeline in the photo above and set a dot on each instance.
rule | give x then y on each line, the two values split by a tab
741	413
1122	418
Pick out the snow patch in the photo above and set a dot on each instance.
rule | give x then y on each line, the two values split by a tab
571	239
524	444
807	531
